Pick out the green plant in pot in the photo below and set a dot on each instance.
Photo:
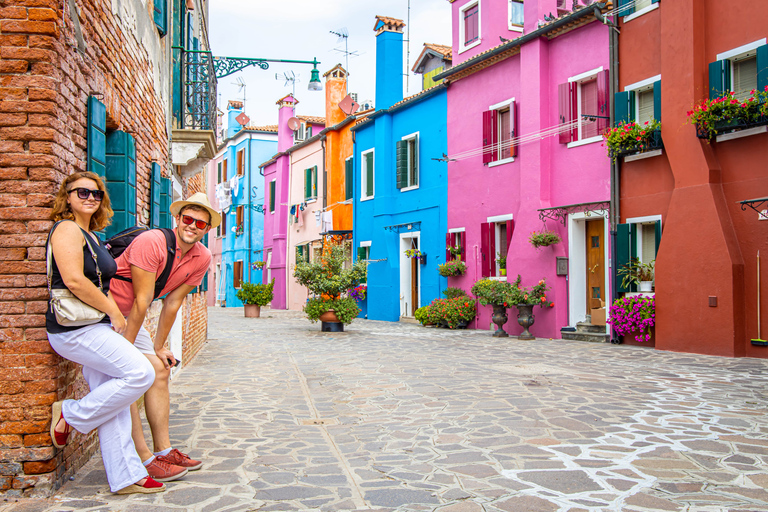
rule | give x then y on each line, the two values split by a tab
502	261
453	268
254	296
329	282
525	299
638	273
544	238
455	252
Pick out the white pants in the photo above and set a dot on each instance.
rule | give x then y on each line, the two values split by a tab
117	374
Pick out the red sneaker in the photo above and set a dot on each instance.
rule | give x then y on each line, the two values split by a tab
150	486
161	471
59	438
177	458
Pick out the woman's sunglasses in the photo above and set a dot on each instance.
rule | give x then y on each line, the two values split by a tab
83	193
199	224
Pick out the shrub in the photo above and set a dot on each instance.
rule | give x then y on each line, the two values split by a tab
452	292
537	294
490	291
256	293
346	308
422	315
452	268
327	275
452	311
632	314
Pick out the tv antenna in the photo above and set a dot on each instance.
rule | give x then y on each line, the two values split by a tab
290	78
240	83
343	36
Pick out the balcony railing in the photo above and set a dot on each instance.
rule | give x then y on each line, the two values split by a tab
199	91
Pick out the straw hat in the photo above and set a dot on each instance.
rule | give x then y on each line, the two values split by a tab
198	199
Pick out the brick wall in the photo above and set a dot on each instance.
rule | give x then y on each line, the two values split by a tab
44	86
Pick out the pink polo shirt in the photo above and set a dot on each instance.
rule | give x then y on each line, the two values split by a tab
149	252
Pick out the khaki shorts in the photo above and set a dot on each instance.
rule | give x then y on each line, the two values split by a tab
144	342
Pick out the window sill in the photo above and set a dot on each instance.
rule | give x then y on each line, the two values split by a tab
368	198
406	189
501	162
639	13
309	200
741	133
498	278
516	28
642	156
584	142
470	45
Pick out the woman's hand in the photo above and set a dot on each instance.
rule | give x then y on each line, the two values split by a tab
118	322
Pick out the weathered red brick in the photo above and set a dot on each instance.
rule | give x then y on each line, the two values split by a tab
22	241
33	360
25	133
43	386
37	439
51	4
13	93
25	347
25	482
23	427
31	267
28	27
13	13
12	441
36	468
35	334
11	308
13	173
37	107
14	414
42	94
7	335
36	308
42	14
21	160
28	81
17	254
41	42
15	40
38	226
11	388
13	66
22	321
24	213
12	119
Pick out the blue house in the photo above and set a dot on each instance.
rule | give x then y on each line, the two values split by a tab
400	188
239	190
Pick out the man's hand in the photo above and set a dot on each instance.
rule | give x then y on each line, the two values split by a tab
165	355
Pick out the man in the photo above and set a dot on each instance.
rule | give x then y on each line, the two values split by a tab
134	290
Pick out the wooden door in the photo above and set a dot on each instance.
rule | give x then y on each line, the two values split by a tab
595	263
414	285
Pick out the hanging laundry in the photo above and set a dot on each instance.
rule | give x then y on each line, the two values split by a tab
300	217
327	222
223	195
293	209
234	184
318	218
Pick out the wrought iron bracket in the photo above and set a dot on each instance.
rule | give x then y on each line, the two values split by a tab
403	228
755	204
560	213
225	66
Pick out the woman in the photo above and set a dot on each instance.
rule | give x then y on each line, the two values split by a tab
116	372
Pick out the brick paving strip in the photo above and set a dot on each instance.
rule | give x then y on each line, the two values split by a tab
399	417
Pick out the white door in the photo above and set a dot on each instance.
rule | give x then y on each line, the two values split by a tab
410	278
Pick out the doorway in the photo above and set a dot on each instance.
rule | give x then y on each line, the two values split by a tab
410	275
595	268
588	264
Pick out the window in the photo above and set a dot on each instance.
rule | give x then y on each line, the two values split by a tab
367	175
583	108
218	229
223	226
639	102
219	173
160	16
239	217
302	253
631	9
237	274
310	183
364	252
499	132
495	237
308	131
516	15
241	162
638	238
272	186
455	245
349	185
407	162
740	70
300	134
469	26
224	171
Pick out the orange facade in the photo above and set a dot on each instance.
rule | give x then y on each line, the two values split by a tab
338	148
706	272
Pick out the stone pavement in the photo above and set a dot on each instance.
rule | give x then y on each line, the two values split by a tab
400	417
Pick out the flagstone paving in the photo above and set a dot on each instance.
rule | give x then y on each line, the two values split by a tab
391	417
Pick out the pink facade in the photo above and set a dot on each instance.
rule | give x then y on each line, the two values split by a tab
541	169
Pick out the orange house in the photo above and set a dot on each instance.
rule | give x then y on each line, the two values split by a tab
338	150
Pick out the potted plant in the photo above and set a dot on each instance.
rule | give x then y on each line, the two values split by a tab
416	254
634	314
239	229
329	283
452	292
455	252
254	296
719	115
358	292
544	238
453	268
502	261
494	293
632	138
638	273
258	265
525	299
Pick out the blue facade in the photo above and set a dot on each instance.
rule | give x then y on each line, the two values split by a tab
248	246
402	215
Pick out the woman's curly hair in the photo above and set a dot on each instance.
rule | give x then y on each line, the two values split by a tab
61	209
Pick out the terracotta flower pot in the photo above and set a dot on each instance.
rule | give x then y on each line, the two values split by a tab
252	310
329	317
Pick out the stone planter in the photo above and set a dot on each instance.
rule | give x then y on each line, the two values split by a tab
525	318
646	286
500	318
252	310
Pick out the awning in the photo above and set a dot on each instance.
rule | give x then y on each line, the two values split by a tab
560	213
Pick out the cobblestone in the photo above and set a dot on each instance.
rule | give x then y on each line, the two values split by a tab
390	417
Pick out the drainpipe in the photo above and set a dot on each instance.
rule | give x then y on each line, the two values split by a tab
250	211
615	216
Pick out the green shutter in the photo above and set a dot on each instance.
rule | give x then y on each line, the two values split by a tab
415	161
299	253
762	67
654	1
349	179
719	78
626	7
154	197
161	16
658	235
272	196
166	196
401	163
657	100
623	245
96	136
314	181
120	174
624	105
369	174
307	183
361	253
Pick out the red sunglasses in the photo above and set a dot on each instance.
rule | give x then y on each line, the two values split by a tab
199	224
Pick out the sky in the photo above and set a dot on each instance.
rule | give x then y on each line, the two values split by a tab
300	30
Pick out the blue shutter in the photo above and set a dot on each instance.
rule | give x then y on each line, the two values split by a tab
154	196
624	103
719	78
762	67
120	174
657	100
161	16
166	195
96	136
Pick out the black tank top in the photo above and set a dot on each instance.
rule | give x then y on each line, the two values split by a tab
108	269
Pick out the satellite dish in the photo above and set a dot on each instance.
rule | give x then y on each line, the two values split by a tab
294	123
348	105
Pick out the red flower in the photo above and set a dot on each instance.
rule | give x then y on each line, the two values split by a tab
551	304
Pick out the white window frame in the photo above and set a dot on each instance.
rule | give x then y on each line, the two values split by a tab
649	219
457	230
737	54
364	175
299	135
462	36
243	160
644	10
578	79
641	86
501	106
511	26
496	220
413	136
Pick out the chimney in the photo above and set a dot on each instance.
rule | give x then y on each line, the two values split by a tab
234	109
389	61
335	91
287	110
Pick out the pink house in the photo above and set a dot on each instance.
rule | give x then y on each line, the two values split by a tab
528	97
